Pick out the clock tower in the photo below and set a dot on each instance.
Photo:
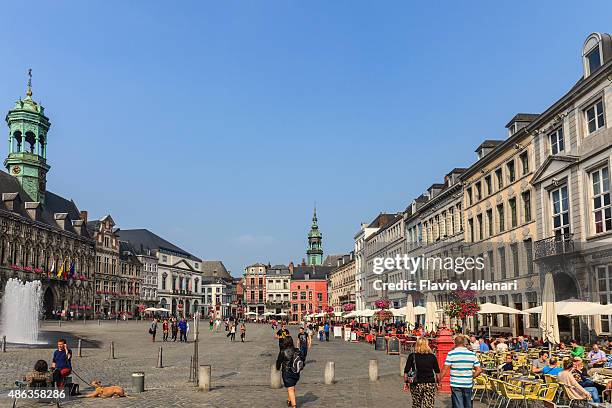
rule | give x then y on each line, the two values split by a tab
27	142
314	253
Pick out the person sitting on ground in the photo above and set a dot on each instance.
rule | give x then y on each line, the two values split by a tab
40	377
575	390
62	364
577	349
552	368
538	364
597	358
562	346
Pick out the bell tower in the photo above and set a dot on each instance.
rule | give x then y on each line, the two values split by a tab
27	145
315	248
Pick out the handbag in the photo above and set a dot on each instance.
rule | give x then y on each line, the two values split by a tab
412	371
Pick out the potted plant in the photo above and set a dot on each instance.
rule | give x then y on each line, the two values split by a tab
462	305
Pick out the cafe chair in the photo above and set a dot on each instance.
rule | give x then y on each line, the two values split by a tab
512	393
573	402
548	392
480	384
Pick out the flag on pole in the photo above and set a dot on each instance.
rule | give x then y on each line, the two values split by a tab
72	270
52	265
60	272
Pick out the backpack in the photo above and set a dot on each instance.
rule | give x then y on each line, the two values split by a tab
297	363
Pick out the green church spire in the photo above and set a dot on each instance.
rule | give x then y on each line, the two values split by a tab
27	143
314	253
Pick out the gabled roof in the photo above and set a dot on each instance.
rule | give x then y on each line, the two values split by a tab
332	260
208	268
563	160
127	252
53	204
314	272
144	240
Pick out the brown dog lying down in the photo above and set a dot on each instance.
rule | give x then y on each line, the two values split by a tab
105	392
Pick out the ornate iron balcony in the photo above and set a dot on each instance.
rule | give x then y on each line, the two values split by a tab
553	246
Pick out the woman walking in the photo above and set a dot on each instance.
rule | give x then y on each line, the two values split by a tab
421	374
153	329
232	332
242	332
286	363
165	329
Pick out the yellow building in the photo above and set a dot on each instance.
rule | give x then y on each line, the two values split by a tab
500	224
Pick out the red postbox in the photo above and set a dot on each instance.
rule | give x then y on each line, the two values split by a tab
445	343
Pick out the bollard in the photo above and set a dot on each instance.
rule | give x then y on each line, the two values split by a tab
4	344
79	349
138	381
204	378
373	370
402	360
275	377
330	368
112	349
159	358
191	369
60	322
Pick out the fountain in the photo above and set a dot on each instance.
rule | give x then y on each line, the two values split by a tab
20	311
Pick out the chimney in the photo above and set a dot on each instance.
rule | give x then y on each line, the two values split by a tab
78	226
11	201
60	219
84	216
291	267
303	262
33	209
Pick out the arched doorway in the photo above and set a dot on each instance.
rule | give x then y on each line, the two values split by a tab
174	307
48	303
187	309
565	288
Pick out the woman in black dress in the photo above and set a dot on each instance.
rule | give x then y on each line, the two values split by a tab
423	387
284	362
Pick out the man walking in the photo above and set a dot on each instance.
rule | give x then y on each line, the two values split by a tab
305	342
464	367
183	329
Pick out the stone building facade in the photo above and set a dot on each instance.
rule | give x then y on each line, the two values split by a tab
572	140
342	282
387	242
42	235
255	288
278	290
179	273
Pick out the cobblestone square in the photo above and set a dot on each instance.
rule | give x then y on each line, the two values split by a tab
240	371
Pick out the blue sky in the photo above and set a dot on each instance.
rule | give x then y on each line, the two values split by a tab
217	125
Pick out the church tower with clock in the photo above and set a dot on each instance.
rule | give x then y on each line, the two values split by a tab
27	158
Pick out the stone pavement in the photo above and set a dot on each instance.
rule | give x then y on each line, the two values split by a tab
240	372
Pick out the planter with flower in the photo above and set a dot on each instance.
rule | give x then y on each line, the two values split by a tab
462	305
349	307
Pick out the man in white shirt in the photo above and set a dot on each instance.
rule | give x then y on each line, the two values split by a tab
501	346
474	344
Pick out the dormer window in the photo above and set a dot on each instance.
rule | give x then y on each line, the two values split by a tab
592	50
593	60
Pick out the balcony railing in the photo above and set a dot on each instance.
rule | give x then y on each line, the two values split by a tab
553	246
